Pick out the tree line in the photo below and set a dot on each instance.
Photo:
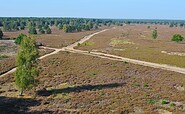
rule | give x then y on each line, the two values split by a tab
42	25
68	25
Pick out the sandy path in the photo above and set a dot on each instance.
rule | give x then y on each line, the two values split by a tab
118	58
58	50
71	49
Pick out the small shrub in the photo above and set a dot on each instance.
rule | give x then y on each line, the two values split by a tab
151	101
136	85
93	74
164	102
154	34
125	62
177	38
78	44
172	104
145	85
88	43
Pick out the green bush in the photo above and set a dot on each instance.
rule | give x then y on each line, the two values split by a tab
145	85
19	39
177	38
164	102
154	34
172	104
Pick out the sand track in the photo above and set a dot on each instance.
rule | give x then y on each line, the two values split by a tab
71	49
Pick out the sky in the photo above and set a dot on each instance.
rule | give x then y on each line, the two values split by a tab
106	9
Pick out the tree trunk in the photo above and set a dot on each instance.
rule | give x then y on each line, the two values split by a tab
21	92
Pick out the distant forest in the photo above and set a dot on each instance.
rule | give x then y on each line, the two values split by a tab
68	25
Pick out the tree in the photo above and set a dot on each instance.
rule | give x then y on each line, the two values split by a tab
32	30
86	27
26	62
48	31
1	34
60	26
177	38
46	26
171	25
90	24
154	34
13	26
6	26
19	39
22	27
65	28
41	31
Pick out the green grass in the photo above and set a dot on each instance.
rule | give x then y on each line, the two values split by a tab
119	42
153	55
88	43
136	85
152	101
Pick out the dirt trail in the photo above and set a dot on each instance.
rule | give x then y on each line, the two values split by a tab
71	49
118	58
57	50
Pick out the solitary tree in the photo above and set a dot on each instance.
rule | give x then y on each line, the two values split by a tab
1	34
19	39
177	38
154	34
26	62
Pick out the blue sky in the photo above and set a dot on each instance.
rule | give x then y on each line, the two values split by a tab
117	9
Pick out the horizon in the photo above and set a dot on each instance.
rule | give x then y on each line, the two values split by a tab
104	9
98	18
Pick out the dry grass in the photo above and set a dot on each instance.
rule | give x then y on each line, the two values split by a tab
66	85
74	83
143	47
60	39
